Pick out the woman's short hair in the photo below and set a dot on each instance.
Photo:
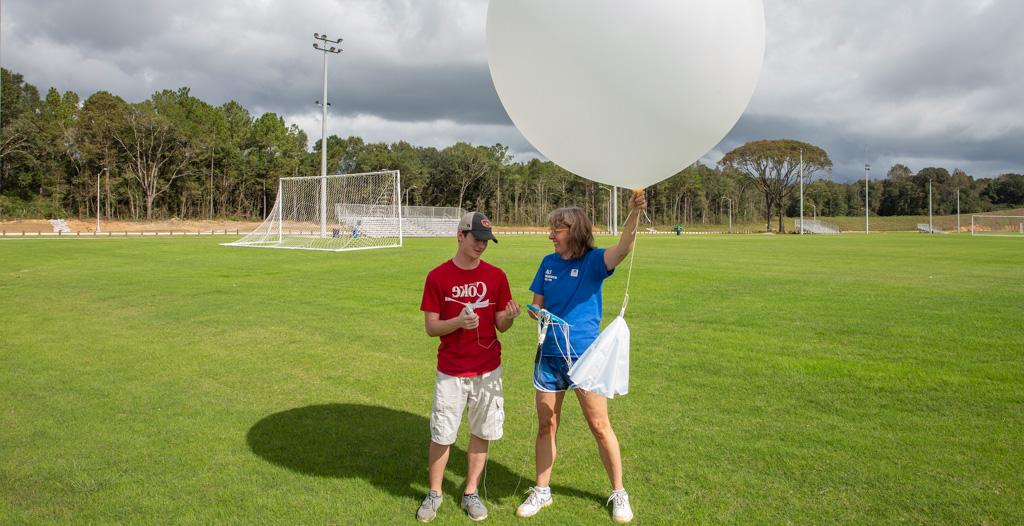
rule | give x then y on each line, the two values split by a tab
581	230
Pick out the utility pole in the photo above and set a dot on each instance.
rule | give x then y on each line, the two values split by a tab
325	49
867	169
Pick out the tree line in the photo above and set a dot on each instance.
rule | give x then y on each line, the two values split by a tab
174	155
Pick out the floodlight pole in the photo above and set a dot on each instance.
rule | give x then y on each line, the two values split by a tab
867	169
730	213
801	191
323	128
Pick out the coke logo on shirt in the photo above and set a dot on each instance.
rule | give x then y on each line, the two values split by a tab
470	290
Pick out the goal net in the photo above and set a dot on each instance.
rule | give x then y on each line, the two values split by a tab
983	225
335	213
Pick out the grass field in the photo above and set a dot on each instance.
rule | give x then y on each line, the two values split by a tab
775	380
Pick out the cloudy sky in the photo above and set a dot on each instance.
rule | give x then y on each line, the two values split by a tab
922	82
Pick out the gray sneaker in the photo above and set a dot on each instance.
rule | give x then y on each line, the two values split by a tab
474	507
428	510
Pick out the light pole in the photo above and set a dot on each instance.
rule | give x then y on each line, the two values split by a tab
407	195
98	202
325	49
867	169
801	191
609	190
730	212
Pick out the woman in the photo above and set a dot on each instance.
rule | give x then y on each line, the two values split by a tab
568	284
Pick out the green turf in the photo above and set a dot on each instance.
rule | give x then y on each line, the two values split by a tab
775	380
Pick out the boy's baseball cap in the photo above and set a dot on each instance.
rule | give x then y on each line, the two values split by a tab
479	225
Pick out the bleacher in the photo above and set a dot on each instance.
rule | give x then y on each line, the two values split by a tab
60	226
417	221
812	226
925	229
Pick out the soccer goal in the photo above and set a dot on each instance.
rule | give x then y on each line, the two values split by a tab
1007	226
334	213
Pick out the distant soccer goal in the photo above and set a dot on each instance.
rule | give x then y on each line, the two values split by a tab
1006	226
334	213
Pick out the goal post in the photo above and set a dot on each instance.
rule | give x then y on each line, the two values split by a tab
1004	226
333	213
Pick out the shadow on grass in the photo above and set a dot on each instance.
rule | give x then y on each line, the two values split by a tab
387	448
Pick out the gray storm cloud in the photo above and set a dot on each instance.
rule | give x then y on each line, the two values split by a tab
920	82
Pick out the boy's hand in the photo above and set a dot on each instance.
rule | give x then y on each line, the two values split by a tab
468	319
512	310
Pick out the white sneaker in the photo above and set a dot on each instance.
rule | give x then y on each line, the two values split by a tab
621	512
534	502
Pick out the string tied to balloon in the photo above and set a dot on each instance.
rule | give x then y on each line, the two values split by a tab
632	255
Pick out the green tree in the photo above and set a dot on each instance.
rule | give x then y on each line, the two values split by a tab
774	166
156	152
101	115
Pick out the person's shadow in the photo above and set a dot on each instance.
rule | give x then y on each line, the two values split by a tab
385	447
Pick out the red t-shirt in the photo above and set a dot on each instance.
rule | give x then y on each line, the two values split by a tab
447	291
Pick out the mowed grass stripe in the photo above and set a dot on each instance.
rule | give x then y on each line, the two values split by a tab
775	379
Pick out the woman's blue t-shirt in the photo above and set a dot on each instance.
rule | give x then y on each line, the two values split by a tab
572	291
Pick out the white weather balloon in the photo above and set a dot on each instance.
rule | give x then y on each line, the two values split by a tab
625	92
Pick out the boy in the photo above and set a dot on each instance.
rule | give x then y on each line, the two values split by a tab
465	302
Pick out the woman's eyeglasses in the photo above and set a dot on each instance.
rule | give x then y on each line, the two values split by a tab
553	231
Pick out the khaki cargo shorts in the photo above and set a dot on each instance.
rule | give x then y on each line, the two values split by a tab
481	395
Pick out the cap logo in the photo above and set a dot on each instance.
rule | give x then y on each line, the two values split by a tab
486	223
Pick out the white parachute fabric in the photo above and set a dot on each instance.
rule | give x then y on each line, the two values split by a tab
604	366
